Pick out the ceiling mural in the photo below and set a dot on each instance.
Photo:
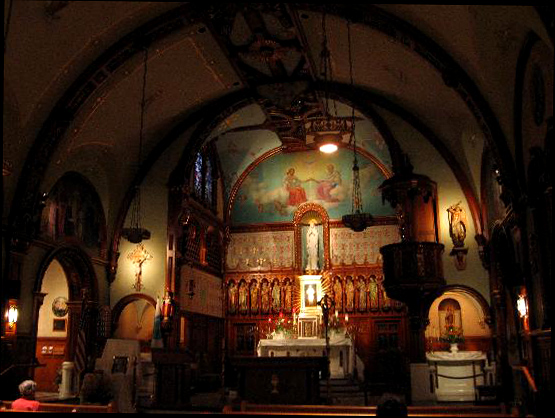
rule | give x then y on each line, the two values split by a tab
237	150
243	137
274	189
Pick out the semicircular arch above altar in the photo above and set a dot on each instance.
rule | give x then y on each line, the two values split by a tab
271	189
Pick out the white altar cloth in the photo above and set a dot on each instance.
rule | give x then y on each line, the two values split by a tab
341	351
456	375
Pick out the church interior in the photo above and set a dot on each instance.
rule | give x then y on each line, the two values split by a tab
216	207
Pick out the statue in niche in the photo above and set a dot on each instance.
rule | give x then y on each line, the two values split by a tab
457	224
287	306
312	247
265	296
373	294
338	294
361	294
276	297
232	297
243	305
449	313
386	301
254	296
349	295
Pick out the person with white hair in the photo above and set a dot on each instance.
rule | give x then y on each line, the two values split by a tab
27	401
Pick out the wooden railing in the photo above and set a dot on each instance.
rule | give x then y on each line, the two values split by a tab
413	411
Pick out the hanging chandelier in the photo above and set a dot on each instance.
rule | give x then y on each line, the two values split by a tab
327	132
135	233
358	221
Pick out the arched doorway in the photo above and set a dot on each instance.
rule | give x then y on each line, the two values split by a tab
52	328
65	272
467	310
133	319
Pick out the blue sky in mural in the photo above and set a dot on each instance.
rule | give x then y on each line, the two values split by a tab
238	150
277	186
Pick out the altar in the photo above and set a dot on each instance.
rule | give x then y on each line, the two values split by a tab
456	376
341	351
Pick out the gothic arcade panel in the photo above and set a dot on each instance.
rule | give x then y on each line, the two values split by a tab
257	295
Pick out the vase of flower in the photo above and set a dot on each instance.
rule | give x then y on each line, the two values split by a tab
453	336
279	335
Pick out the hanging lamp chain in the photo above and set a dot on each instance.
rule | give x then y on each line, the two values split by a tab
357	195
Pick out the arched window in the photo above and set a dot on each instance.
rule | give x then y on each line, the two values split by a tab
198	176
203	178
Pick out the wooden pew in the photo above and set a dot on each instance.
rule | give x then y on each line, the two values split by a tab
413	411
6	406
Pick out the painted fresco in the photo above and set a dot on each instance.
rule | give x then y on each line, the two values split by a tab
73	212
273	191
237	150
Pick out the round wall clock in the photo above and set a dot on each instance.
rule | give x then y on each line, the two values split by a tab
59	306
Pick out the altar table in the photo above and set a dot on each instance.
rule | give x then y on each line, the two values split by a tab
456	375
341	351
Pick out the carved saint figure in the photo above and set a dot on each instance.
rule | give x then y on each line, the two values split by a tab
265	296
338	295
276	297
243	306
386	301
350	295
457	224
373	294
254	297
287	306
312	247
232	295
361	295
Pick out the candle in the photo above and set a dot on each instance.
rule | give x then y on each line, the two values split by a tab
336	314
346	317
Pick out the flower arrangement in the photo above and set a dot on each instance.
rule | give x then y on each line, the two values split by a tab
452	335
281	324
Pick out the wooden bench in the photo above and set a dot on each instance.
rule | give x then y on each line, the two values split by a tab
413	411
65	408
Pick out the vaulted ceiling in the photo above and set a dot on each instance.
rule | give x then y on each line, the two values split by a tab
73	74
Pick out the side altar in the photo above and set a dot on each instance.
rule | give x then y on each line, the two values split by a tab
457	375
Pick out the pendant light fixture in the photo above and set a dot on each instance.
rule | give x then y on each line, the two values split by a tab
358	221
136	233
327	132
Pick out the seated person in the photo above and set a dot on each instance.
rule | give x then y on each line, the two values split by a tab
96	388
391	406
27	401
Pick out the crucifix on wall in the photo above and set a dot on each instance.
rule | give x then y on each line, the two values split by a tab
138	257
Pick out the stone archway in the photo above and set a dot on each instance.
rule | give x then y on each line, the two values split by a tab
79	273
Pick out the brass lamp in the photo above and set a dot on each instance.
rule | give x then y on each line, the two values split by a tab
12	313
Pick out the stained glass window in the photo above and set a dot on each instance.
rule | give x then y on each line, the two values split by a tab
208	182
198	175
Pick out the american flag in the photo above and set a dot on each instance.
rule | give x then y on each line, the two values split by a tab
81	347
